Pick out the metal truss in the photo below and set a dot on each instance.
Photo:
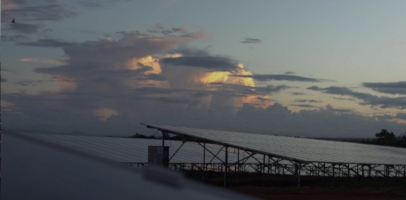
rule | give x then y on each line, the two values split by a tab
278	165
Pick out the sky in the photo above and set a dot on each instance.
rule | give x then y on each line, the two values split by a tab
298	68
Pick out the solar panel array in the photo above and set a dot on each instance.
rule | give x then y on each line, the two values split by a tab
301	149
134	150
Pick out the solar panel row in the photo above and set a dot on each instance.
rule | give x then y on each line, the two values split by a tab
301	149
132	150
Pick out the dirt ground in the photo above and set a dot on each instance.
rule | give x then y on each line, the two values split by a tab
305	193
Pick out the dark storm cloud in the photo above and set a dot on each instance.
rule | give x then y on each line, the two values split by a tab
212	63
265	99
281	77
37	10
48	43
401	116
3	69
98	3
154	77
222	89
179	30
200	94
144	91
176	100
326	122
251	41
343	110
24	28
32	82
388	88
307	100
26	83
368	99
159	29
13	38
270	89
242	90
95	57
101	78
102	73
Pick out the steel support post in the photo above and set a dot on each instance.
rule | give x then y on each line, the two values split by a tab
263	171
297	174
204	159
225	166
163	148
238	165
269	167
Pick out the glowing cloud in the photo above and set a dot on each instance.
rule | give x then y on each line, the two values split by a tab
105	113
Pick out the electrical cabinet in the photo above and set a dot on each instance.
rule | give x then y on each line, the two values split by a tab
158	155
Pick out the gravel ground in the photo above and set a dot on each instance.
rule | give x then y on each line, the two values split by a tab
289	193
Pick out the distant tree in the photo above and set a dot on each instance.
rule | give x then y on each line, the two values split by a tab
139	135
401	140
385	138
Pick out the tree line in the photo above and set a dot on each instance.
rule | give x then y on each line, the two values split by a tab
387	138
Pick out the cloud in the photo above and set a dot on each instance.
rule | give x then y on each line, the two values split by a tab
281	77
401	116
24	28
251	41
179	30
289	73
368	99
98	3
274	119
307	100
137	73
110	85
31	82
36	10
388	88
44	61
393	118
13	38
48	43
109	76
243	90
160	29
212	63
297	93
3	69
26	83
304	105
3	80
189	52
344	99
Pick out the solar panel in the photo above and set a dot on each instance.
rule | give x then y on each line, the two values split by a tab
135	150
40	170
299	149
